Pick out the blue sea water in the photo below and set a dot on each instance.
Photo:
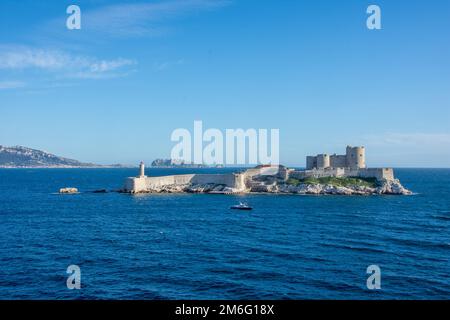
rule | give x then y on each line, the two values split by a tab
188	246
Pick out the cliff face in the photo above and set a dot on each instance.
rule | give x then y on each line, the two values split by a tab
22	157
388	187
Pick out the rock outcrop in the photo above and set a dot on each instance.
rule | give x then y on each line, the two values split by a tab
392	187
68	190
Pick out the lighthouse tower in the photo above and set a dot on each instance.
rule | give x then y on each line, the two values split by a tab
142	170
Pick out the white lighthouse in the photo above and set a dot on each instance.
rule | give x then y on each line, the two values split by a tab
142	170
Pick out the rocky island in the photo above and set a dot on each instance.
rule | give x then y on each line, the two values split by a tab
324	175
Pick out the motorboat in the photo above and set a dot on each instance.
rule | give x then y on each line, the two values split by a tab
241	206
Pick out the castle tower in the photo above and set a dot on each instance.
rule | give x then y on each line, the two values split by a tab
361	157
311	162
323	161
356	157
142	169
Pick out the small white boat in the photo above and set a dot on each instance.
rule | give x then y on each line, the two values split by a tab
241	206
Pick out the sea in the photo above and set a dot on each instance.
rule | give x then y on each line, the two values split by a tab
192	246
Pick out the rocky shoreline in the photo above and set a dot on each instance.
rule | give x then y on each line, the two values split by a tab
386	187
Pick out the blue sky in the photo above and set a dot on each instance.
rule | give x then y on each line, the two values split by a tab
116	89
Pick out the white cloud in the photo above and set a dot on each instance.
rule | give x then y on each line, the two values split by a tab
5	85
63	63
142	19
105	66
24	57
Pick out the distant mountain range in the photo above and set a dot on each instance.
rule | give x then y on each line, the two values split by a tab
22	157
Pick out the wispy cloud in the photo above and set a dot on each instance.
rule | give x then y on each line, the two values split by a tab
5	85
105	69
142	19
160	66
21	57
408	149
410	139
64	64
106	66
104	22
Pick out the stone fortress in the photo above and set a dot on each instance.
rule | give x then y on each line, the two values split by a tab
352	164
355	157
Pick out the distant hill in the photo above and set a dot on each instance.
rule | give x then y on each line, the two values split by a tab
169	163
22	157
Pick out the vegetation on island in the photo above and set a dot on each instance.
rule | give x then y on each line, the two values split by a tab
336	181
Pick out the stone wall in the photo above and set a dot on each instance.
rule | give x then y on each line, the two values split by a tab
378	173
135	184
317	173
142	184
338	161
